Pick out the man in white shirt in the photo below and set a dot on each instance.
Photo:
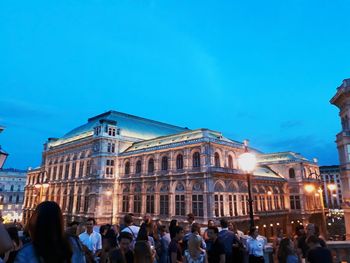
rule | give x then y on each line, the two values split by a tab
91	239
255	246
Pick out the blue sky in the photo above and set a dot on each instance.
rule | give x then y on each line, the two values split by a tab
262	70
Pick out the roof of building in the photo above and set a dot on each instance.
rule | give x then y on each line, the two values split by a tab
265	172
281	157
344	88
129	125
186	136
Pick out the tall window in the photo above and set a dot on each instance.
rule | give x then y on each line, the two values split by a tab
230	162
217	160
88	167
283	206
219	205
244	204
66	171
164	205
256	208
137	203
109	167
10	199
179	162
197	205
291	173
60	173
111	147
196	159
127	168
275	199
294	202
262	203
125	201
11	189
70	201
269	202
180	205
64	202
151	166
77	209
74	168
54	173
111	131
86	201
164	163
138	167
81	168
150	204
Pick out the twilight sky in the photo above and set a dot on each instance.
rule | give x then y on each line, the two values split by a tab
262	70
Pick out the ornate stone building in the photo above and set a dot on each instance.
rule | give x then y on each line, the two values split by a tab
12	182
332	186
118	163
342	100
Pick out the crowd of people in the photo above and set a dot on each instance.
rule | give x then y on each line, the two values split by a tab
46	240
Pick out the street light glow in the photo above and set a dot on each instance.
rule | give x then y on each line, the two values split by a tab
247	162
309	188
332	187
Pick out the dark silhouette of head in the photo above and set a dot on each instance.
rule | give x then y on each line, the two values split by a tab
47	233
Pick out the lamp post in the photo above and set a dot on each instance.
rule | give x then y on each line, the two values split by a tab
247	163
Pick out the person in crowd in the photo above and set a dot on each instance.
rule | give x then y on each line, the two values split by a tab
228	238
17	244
286	252
255	246
175	250
92	240
216	250
194	253
190	219
205	234
317	253
49	243
195	230
143	252
147	219
172	226
6	243
239	234
163	251
123	254
130	227
144	235
77	245
302	244
109	242
277	240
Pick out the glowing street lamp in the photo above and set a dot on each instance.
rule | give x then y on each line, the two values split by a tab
332	188
309	188
247	163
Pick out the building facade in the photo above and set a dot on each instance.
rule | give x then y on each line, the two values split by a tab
118	163
342	100
332	186
12	183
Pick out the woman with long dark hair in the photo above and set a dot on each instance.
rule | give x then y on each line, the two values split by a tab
172	226
143	252
49	243
286	252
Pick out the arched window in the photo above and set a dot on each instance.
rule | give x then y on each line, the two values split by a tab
230	162
12	188
86	200
127	168
179	162
151	165
10	199
291	173
217	160
164	163
138	167
196	159
70	201
17	199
